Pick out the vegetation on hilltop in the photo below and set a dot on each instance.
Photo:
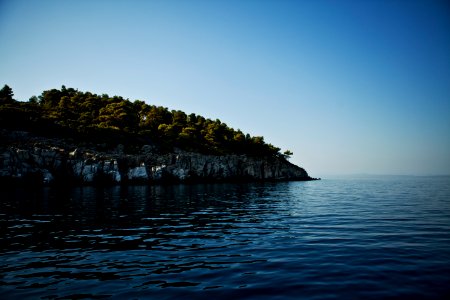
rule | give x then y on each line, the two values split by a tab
87	117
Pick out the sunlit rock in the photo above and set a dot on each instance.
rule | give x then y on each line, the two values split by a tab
89	172
89	166
138	173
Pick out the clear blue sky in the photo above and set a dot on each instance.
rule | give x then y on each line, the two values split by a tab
348	86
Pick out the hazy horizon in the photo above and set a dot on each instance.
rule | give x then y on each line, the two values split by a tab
350	87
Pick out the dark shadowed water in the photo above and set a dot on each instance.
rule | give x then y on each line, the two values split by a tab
373	238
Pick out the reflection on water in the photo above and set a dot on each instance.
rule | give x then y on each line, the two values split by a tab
328	239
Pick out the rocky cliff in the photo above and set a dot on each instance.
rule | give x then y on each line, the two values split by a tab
54	161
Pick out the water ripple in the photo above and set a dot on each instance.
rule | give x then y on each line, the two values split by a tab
331	239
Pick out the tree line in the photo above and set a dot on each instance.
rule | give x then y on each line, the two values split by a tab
89	117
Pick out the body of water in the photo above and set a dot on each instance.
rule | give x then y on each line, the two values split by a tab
361	238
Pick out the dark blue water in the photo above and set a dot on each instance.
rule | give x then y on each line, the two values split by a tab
373	238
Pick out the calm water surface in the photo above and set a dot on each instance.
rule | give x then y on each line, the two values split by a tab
373	238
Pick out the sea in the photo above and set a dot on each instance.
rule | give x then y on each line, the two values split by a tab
382	237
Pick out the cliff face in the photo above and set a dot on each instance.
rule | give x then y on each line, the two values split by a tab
50	164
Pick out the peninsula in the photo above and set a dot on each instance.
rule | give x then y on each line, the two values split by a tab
68	136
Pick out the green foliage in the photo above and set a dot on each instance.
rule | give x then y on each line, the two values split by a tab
113	120
6	95
287	154
33	100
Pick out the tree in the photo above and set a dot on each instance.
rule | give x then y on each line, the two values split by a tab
141	109
6	95
179	118
119	115
101	117
50	99
33	100
287	154
239	137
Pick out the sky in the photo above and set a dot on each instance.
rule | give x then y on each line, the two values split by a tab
350	87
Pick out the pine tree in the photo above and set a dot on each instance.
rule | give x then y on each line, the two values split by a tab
6	95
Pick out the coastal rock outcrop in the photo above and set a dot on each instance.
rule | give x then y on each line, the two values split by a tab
46	163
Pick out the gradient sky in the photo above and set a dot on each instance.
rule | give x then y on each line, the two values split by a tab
348	86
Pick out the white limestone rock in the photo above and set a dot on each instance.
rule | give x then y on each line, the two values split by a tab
138	173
